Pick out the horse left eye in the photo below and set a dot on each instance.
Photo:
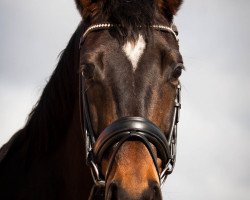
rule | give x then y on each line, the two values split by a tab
177	71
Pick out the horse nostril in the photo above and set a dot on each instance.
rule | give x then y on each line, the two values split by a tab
154	192
112	191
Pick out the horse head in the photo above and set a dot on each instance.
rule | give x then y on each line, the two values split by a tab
130	64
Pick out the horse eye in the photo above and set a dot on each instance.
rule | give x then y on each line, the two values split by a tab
88	70
177	71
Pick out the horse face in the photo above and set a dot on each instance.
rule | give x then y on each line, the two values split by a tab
137	76
134	78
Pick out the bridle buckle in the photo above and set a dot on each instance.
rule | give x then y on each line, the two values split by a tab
95	174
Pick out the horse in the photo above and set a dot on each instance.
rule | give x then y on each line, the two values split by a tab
105	125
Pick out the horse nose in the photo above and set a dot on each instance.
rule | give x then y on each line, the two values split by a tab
153	192
112	193
116	192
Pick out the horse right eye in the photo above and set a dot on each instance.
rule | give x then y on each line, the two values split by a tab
88	70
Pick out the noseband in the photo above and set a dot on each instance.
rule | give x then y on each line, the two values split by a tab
127	129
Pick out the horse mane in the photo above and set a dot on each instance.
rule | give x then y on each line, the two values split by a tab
131	17
50	118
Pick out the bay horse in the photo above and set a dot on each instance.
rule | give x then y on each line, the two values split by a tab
106	123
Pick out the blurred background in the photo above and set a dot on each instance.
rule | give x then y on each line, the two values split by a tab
213	160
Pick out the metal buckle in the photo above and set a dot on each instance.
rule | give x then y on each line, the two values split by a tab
93	166
95	174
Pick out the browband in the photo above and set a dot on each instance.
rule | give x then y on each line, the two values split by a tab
172	29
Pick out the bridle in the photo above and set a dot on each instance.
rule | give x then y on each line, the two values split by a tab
127	128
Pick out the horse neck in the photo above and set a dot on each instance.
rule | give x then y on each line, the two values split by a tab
50	148
72	153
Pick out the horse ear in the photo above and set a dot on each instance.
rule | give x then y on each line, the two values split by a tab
86	7
169	7
81	4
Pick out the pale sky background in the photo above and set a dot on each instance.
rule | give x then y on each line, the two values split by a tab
213	142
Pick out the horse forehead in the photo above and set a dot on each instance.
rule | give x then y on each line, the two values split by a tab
134	50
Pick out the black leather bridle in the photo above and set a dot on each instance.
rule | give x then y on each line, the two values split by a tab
127	128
